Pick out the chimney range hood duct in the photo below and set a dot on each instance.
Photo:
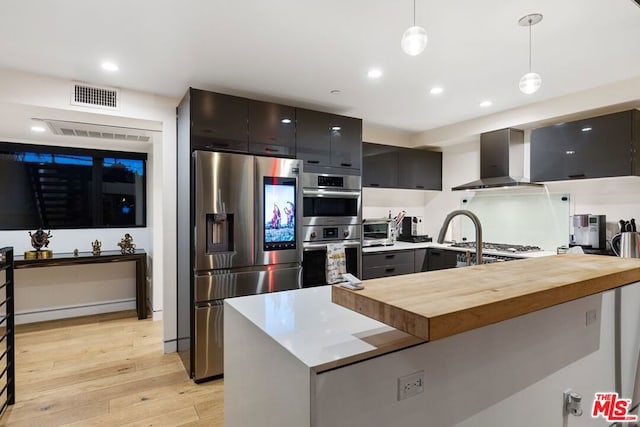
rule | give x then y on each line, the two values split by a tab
501	161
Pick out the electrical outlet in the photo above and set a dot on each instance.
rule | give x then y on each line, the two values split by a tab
410	385
591	316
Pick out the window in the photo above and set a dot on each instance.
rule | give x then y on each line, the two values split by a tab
60	187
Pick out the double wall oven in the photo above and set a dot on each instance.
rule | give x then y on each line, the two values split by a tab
331	214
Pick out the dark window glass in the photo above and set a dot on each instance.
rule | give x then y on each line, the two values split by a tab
55	187
122	186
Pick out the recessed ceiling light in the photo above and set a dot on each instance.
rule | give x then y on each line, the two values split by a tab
587	129
37	129
336	128
285	121
436	90
109	66
374	73
485	104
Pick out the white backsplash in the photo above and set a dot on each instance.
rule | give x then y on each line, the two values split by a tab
377	202
540	219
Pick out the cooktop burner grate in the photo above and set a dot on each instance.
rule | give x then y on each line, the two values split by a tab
503	247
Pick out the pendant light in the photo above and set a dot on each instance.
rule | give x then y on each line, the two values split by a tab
414	40
530	82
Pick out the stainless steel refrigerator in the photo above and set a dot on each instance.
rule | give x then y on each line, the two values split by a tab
246	240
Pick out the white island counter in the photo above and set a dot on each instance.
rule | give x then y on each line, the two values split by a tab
296	359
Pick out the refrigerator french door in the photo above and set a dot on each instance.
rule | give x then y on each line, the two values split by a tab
247	241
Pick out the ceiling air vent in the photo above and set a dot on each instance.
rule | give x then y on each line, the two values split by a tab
90	130
94	96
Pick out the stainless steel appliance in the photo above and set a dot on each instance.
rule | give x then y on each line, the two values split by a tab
331	214
589	231
378	232
499	247
626	244
331	199
491	252
247	240
412	226
501	161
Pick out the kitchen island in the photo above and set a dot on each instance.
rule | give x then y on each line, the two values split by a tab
295	359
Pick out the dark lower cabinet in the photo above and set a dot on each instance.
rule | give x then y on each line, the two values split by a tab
604	146
440	259
388	263
394	263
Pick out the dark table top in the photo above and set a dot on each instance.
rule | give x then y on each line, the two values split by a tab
68	258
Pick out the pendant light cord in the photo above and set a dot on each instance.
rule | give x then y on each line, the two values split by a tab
414	13
529	43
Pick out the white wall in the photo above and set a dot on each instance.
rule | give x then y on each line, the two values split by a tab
25	96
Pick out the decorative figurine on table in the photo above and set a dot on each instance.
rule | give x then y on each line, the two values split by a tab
76	252
126	244
96	245
39	239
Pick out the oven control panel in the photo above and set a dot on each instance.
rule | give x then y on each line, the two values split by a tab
318	233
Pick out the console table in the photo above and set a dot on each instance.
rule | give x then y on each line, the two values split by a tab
66	259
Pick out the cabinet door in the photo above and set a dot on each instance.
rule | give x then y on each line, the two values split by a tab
219	122
386	264
605	144
271	129
439	259
313	143
346	142
549	149
590	148
379	165
419	169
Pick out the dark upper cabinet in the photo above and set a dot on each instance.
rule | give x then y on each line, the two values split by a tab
219	122
379	165
387	166
419	169
324	139
272	129
313	142
604	146
346	141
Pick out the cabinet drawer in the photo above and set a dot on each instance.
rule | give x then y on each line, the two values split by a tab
387	271
383	259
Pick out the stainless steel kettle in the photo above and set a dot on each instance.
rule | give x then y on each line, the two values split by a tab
626	244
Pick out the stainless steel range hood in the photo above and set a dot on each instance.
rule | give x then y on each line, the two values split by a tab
501	161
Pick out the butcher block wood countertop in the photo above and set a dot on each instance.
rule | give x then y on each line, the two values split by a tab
442	303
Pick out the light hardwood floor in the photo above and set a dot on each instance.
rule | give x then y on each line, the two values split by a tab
105	370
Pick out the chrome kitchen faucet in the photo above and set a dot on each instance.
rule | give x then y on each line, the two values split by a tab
476	223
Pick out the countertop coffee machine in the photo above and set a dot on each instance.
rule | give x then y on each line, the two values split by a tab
589	231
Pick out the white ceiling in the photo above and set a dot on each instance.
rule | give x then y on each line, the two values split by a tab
297	51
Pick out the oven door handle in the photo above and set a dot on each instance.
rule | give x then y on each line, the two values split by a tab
331	193
307	247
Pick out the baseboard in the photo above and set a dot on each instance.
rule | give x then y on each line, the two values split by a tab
74	311
157	315
170	346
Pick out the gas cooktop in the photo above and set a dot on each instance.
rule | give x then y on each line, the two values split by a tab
502	247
